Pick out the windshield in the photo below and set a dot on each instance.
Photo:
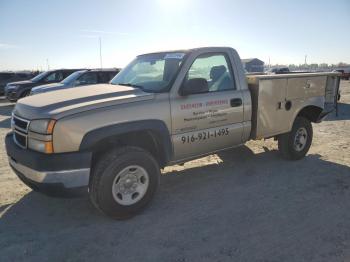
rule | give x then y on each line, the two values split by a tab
152	72
40	76
72	77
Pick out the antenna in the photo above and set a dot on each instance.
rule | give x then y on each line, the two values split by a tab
47	64
100	52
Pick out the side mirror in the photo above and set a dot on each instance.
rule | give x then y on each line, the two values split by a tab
194	86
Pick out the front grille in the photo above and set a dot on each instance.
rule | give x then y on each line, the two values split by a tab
20	128
20	123
11	95
20	139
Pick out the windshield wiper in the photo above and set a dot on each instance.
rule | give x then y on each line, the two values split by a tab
129	84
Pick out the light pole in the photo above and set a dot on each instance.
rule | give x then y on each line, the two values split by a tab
100	52
305	60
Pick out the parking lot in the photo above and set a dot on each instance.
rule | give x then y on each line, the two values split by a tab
246	204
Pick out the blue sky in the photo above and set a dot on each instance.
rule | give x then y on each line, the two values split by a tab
66	32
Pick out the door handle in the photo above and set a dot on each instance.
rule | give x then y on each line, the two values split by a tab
235	102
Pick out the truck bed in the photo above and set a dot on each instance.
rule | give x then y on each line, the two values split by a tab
276	99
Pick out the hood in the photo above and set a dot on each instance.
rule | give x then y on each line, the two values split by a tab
47	88
60	103
21	83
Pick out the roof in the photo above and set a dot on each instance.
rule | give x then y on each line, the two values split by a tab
247	60
186	50
102	69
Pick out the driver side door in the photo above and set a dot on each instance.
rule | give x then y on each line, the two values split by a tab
206	122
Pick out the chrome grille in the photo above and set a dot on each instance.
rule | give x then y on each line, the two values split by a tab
20	128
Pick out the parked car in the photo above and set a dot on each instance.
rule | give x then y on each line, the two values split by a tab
17	90
8	77
79	78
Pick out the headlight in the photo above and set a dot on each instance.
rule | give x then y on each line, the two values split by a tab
42	126
40	135
40	146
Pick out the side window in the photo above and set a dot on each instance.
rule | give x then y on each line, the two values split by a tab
50	77
88	78
67	73
112	74
59	76
105	77
215	69
54	77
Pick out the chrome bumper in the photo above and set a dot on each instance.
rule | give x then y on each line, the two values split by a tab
68	178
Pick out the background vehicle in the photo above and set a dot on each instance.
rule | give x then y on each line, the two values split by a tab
280	70
163	108
79	78
7	77
345	74
17	90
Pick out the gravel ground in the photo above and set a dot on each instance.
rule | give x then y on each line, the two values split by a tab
246	204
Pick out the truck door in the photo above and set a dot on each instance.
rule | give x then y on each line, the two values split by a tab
206	122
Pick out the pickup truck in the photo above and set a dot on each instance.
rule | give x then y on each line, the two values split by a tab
163	108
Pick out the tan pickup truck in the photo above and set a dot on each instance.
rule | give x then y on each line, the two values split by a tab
163	108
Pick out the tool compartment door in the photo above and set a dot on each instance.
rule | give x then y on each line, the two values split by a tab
306	87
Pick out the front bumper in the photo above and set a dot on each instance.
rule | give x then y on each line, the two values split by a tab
12	94
54	174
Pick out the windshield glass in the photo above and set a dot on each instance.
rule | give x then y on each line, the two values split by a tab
72	77
152	72
40	76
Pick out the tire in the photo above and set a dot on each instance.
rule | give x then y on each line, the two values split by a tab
295	144
113	181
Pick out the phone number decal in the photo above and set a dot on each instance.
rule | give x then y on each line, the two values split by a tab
201	136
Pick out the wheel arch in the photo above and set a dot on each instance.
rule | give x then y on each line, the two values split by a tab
151	135
310	112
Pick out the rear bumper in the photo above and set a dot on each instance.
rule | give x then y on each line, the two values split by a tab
54	174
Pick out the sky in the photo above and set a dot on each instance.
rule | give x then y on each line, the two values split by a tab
37	34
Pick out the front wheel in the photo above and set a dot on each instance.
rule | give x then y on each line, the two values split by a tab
124	181
295	144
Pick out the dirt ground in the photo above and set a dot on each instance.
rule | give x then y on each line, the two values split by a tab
246	204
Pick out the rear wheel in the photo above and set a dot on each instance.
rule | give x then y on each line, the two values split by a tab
124	181
295	144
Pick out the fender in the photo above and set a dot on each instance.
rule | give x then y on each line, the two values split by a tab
156	126
315	102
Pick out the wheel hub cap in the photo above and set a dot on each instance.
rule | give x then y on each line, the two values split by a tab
300	139
130	185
